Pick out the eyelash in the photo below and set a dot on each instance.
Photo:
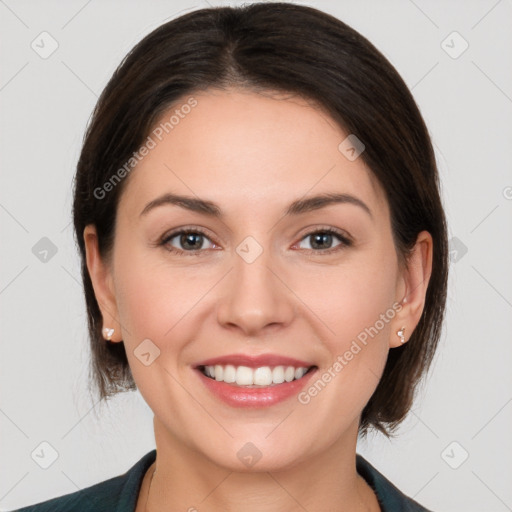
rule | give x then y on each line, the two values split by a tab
345	241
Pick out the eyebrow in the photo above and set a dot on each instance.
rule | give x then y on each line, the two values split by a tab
213	210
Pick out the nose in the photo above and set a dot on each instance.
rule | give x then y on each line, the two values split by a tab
255	299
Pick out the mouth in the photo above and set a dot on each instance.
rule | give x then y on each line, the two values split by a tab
263	376
247	381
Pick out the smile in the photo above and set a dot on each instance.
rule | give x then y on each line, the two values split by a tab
246	376
254	381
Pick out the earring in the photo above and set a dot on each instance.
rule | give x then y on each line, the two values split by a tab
107	333
401	335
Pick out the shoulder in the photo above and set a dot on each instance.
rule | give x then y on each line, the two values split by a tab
117	494
391	499
102	496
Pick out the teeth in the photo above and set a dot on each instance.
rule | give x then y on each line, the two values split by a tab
244	376
229	373
278	375
262	376
219	372
289	374
299	372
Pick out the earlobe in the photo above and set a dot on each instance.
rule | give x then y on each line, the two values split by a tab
108	333
414	279
101	279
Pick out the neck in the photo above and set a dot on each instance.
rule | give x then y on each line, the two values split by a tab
189	481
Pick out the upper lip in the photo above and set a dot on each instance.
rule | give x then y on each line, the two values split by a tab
254	361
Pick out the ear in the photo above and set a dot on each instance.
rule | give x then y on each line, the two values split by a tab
412	289
102	282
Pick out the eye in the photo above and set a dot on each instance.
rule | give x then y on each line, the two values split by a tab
321	240
190	240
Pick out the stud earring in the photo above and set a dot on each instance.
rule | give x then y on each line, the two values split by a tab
107	333
401	334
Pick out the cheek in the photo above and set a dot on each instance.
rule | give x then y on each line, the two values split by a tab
369	305
156	302
152	305
356	303
352	297
358	311
147	300
148	296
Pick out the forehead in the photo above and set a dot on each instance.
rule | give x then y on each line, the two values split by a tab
242	148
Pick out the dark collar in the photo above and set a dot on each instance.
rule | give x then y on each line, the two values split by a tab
390	498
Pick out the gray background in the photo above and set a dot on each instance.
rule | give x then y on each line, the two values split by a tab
45	105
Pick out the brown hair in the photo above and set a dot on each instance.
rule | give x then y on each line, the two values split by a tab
274	47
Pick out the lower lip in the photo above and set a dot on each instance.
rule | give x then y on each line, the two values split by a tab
240	396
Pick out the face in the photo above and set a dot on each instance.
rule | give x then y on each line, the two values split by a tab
261	281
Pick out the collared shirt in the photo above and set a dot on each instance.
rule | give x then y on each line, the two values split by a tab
120	494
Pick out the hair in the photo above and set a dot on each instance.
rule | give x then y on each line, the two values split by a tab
285	48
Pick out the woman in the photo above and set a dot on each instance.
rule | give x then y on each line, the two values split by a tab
264	257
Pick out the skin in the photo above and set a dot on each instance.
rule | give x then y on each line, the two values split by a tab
253	154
